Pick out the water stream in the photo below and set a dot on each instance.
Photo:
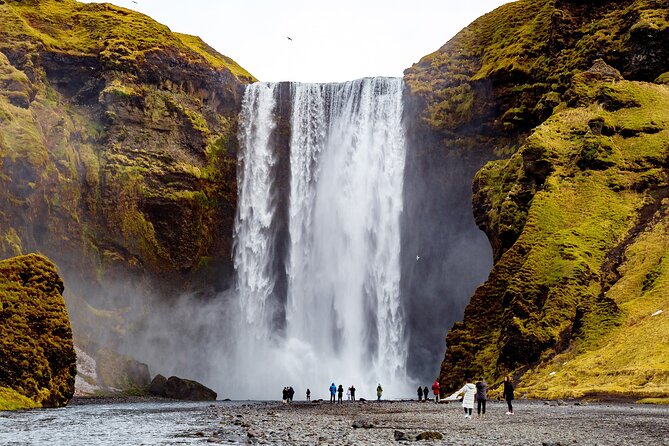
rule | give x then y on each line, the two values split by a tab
335	232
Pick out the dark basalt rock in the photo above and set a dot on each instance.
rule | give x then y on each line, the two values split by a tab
180	389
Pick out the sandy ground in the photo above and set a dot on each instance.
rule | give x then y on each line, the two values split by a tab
534	423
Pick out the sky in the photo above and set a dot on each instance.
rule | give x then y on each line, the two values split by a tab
331	41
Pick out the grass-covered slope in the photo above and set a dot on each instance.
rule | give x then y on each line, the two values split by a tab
117	148
574	205
116	35
37	359
508	69
570	307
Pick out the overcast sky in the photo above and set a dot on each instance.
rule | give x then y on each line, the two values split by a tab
332	41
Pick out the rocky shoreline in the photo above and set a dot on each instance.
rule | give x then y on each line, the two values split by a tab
390	422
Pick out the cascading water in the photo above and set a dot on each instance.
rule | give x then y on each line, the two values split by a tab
342	316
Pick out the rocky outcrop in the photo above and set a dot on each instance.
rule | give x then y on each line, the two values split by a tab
574	197
37	358
117	155
180	389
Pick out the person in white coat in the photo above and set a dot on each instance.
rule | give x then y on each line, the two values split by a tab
468	392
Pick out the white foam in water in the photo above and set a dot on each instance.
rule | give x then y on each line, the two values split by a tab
343	318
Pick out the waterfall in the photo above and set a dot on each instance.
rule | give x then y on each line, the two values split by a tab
341	319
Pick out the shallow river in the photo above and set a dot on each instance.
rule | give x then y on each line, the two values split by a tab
143	423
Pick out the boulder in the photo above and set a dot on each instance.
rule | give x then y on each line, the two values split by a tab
37	357
180	389
363	423
157	386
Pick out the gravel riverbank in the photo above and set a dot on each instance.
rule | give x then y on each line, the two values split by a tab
535	423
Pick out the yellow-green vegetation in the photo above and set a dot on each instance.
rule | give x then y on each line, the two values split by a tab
507	70
119	36
12	400
37	359
212	56
576	303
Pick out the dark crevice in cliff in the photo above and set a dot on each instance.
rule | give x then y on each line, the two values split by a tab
648	216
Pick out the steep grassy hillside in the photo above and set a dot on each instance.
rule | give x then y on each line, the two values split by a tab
37	359
574	207
117	153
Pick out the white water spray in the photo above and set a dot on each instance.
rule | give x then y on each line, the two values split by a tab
343	317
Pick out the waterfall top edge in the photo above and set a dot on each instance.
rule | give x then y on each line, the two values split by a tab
362	79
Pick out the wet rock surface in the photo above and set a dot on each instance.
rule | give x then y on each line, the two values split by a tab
534	423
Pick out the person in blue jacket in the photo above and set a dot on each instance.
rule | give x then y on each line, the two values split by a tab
333	391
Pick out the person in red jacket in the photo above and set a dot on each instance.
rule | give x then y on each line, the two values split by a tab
436	390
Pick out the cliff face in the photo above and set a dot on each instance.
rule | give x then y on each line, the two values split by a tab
574	206
37	359
117	149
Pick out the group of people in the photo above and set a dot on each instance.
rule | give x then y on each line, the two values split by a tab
478	393
288	394
423	393
339	391
471	394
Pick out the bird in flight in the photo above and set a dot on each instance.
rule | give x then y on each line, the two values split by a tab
289	39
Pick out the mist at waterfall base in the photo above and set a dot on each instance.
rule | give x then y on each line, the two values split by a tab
336	202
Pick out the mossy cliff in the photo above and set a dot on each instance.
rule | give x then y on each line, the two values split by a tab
575	204
117	150
37	359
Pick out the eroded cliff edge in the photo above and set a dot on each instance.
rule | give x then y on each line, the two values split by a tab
574	207
117	152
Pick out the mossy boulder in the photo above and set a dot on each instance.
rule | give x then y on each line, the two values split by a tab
37	358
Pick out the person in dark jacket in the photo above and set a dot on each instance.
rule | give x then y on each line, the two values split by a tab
284	396
508	393
481	397
352	390
340	393
333	391
308	395
420	393
426	392
291	394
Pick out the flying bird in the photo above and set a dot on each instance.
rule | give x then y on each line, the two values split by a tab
289	38
417	257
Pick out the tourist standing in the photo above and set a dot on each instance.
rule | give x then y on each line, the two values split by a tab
508	393
291	394
308	395
348	394
284	395
333	391
379	392
340	393
352	389
468	392
481	397
425	393
436	390
420	393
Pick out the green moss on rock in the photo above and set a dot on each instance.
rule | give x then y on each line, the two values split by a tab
37	359
568	306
